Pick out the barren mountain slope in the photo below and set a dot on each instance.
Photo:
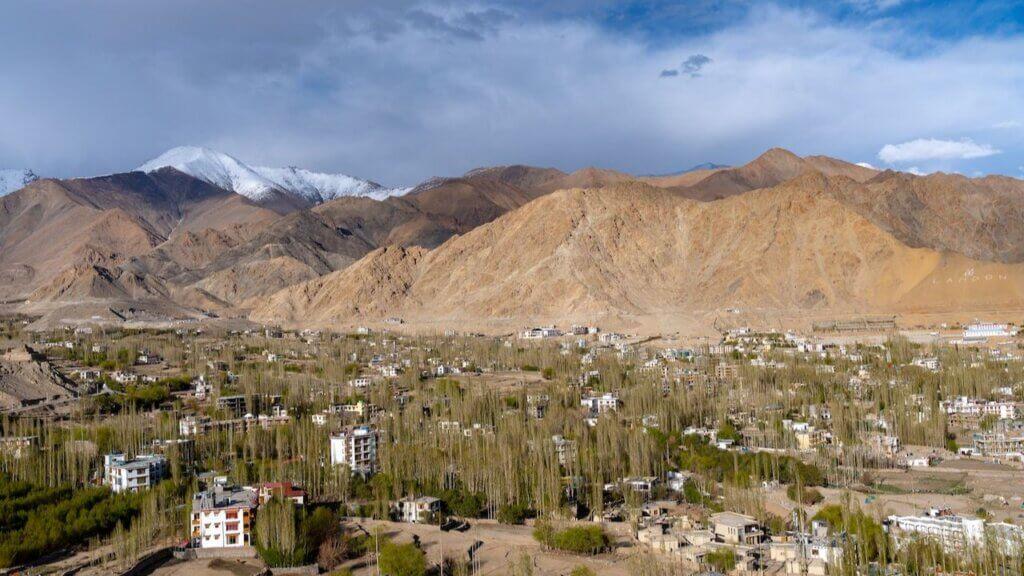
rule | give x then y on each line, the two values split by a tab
52	226
769	169
981	218
636	250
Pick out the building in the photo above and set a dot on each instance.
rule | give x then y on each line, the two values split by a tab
183	448
268	490
727	371
538	333
122	474
1002	446
222	517
974	409
953	533
607	402
355	447
235	406
18	446
422	510
201	389
565	449
736	529
983	331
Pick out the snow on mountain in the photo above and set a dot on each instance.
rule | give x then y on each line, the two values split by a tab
12	180
318	187
261	183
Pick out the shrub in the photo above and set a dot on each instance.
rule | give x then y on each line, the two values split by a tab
807	497
512	514
577	539
401	560
721	560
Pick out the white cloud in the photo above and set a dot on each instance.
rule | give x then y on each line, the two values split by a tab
934	149
915	171
866	165
1008	125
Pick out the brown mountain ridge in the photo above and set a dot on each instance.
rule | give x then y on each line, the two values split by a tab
780	234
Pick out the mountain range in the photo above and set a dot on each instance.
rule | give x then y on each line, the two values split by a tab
195	233
285	189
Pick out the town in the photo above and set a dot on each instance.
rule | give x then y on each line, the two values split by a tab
851	448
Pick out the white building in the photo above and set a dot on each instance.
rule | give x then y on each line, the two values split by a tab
607	402
355	447
984	331
965	405
538	333
952	532
417	510
222	517
139	473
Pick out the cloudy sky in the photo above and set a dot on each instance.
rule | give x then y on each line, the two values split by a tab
399	91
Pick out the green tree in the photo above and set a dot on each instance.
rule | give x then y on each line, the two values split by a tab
402	560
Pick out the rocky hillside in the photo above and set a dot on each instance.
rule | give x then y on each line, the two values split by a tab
634	250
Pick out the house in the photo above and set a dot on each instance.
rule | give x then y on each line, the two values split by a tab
565	449
607	402
122	474
183	448
736	529
222	517
201	389
422	510
18	446
538	333
355	447
268	490
233	405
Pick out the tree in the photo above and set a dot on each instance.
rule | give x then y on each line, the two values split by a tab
402	560
277	535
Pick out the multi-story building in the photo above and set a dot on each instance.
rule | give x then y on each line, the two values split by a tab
565	449
131	475
222	517
355	447
952	532
1000	445
736	529
607	402
963	405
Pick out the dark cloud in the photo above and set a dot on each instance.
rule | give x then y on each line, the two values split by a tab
694	64
668	73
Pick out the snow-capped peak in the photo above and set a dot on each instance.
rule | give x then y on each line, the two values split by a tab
12	180
260	182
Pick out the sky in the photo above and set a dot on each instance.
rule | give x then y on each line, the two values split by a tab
399	91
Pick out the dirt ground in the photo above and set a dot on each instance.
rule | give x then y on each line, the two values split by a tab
499	547
963	486
210	567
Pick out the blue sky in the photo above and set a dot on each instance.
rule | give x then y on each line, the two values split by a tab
401	90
